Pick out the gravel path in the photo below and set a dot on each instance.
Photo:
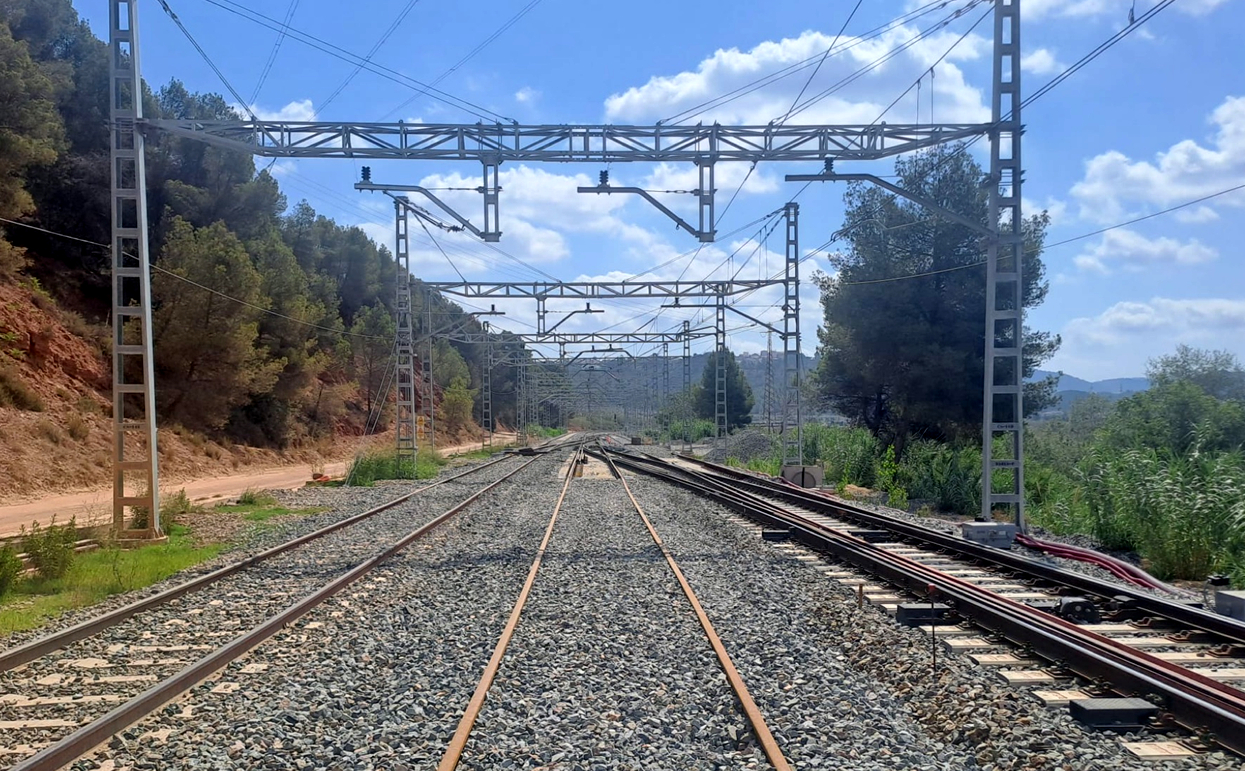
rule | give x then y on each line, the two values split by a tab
609	668
845	687
377	677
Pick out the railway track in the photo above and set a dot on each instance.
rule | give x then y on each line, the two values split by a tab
761	732
1187	660
70	691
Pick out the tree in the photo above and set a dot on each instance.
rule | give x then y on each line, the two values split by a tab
31	134
902	355
456	405
448	365
1218	373
739	398
374	332
1173	418
206	361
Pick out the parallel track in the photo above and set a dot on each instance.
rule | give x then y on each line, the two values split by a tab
1196	701
81	741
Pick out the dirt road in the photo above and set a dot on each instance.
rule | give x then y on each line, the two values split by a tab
95	507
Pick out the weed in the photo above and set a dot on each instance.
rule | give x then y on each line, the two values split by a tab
51	548
256	498
39	295
51	432
368	469
15	393
10	569
78	428
174	506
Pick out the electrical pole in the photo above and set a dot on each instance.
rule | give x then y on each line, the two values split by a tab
407	450
133	402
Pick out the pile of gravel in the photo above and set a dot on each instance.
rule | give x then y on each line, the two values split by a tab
743	446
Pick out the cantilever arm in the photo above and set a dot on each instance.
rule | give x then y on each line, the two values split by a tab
679	221
442	205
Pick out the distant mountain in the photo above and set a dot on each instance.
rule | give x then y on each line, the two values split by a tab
1114	386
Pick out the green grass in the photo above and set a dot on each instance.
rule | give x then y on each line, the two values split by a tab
265	513
95	576
368	469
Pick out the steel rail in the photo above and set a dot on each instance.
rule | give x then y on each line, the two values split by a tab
759	727
1194	700
98	731
22	654
458	743
1189	616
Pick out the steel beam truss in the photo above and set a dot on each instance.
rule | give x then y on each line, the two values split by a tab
792	409
135	456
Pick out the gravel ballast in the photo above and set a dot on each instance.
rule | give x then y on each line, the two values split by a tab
377	677
880	698
609	667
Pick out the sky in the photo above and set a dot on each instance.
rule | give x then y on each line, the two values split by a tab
1156	121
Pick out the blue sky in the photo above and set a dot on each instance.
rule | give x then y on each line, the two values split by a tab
1156	121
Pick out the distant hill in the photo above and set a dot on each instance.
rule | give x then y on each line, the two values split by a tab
1118	385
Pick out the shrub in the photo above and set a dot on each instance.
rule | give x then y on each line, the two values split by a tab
78	428
50	548
368	469
51	432
254	498
175	506
15	393
848	454
10	569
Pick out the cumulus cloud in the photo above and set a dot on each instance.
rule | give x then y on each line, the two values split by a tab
1134	251
526	95
860	102
1114	185
1041	62
298	110
1123	337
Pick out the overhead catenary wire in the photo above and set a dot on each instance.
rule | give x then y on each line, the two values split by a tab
469	56
820	62
272	55
338	52
233	91
384	38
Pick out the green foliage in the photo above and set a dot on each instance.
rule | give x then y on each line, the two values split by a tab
206	360
693	429
905	358
949	476
1184	513
1218	373
848	455
31	134
374	333
368	469
448	365
1173	416
15	393
50	549
544	432
10	569
456	405
739	398
96	575
256	498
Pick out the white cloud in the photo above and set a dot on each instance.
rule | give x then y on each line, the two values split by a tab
526	95
299	110
1041	62
861	102
1134	251
1197	215
1187	170
1122	338
1055	208
1042	9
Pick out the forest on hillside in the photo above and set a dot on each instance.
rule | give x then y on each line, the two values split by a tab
295	342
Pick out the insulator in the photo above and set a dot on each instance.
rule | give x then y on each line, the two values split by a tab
367	173
605	178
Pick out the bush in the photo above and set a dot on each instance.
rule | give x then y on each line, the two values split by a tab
253	498
10	569
78	428
175	506
15	393
950	477
849	455
50	548
374	466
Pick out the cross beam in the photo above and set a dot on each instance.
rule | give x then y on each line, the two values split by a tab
586	338
492	144
591	290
